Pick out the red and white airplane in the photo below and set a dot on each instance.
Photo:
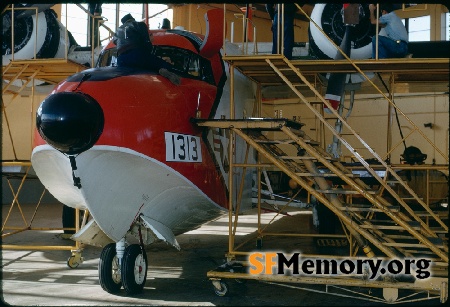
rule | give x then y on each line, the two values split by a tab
120	143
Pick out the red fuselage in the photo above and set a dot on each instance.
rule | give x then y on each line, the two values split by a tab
141	106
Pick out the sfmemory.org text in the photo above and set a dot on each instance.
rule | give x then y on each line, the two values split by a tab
280	263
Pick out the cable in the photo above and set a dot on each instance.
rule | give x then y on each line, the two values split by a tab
395	109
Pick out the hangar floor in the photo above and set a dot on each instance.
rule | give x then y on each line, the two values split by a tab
175	278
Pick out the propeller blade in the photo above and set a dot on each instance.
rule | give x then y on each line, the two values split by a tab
336	82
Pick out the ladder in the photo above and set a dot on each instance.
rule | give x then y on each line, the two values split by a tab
51	71
399	233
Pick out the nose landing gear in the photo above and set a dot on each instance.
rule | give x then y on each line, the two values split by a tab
127	268
109	269
134	269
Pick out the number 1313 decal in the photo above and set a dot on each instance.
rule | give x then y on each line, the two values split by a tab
182	147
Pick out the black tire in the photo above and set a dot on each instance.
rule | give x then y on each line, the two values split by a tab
108	273
134	269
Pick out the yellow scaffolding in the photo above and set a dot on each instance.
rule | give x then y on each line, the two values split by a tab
415	233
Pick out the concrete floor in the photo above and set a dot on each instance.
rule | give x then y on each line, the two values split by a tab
175	278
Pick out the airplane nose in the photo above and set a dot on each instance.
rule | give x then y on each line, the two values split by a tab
71	122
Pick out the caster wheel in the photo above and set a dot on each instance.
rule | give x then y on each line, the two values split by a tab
222	290
73	262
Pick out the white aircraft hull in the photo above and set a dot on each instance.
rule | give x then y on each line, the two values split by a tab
119	184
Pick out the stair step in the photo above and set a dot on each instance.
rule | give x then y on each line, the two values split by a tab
396	237
421	252
392	181
426	213
342	191
435	241
438	230
275	141
367	208
297	158
312	142
304	158
325	175
414	245
288	141
316	102
389	221
392	227
413	224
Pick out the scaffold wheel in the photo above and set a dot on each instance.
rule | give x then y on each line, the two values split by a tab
74	261
220	288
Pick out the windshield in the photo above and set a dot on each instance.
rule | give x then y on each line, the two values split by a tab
185	62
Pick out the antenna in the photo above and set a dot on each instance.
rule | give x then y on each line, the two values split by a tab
198	113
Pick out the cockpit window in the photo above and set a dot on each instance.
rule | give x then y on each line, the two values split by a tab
187	63
107	58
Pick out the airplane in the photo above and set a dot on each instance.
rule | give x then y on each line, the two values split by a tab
120	143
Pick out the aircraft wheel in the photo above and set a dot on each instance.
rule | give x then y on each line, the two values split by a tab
134	269
220	288
108	269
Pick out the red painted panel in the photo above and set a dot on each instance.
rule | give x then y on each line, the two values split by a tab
138	109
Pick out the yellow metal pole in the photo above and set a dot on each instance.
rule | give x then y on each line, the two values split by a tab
231	166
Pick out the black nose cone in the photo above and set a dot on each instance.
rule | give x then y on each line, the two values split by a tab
71	122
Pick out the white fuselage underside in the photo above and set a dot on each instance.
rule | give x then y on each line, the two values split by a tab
119	184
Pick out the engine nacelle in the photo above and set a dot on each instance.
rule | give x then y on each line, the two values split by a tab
37	33
329	18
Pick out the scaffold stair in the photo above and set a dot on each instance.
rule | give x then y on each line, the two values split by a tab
396	216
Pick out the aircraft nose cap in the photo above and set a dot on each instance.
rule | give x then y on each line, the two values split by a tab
71	122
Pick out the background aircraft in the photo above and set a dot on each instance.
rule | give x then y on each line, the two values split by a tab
34	29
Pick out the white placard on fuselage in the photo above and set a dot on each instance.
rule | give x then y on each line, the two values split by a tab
182	147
